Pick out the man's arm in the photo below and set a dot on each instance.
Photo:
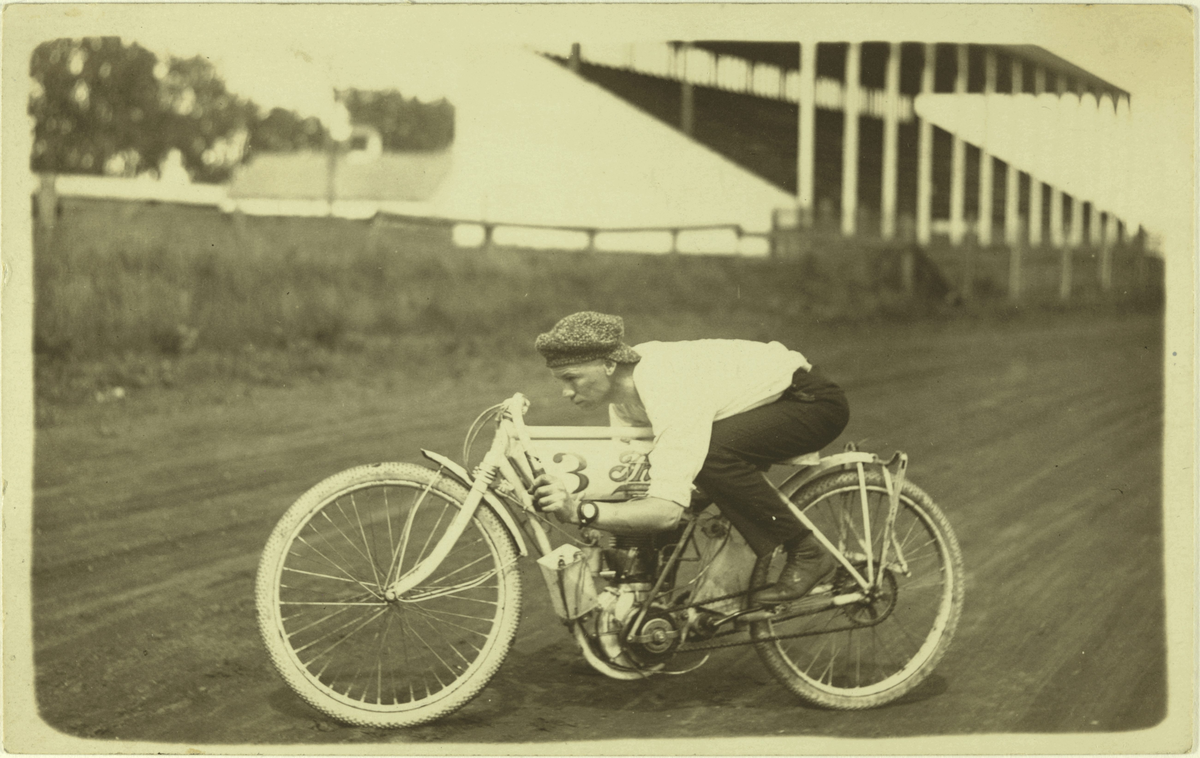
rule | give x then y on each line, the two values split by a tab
648	514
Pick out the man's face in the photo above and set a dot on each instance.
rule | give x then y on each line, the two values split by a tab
587	385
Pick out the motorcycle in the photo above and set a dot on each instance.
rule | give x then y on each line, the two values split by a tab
388	595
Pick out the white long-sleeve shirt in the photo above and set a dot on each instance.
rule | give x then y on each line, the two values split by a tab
685	386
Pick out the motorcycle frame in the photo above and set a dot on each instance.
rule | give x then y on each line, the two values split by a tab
511	461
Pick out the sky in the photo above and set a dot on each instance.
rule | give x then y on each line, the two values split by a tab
293	56
293	68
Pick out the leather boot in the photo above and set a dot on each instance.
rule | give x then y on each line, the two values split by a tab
808	564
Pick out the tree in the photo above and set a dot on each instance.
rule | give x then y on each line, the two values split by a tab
96	107
403	123
284	131
105	107
206	123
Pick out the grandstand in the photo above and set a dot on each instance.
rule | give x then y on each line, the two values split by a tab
894	138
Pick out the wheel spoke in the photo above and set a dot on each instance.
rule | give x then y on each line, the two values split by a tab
431	615
323	576
435	654
316	622
354	631
465	566
345	536
338	566
366	542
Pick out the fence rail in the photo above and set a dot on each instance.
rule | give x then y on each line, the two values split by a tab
590	232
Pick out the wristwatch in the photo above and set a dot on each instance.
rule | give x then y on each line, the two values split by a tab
587	513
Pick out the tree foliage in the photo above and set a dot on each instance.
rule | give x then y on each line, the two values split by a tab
284	131
403	123
205	122
96	105
105	107
102	106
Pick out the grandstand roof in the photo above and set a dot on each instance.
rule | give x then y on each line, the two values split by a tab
786	55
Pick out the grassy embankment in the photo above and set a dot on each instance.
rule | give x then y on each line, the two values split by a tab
154	295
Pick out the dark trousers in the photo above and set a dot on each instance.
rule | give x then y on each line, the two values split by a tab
810	415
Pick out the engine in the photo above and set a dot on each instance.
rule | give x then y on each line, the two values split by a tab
627	637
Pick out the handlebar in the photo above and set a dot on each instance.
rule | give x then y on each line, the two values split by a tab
514	410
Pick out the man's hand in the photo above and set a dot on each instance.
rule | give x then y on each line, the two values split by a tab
550	495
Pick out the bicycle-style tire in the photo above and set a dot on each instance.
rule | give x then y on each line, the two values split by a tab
868	664
334	638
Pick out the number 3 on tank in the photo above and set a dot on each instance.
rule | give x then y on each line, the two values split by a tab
576	472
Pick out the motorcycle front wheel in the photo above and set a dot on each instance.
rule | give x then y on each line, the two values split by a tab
334	637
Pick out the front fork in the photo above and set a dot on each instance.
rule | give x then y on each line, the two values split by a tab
495	462
426	567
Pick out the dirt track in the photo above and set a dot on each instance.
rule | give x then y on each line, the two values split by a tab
1041	442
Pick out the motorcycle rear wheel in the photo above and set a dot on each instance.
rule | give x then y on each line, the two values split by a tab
866	654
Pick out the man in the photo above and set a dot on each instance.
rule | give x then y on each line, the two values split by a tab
722	411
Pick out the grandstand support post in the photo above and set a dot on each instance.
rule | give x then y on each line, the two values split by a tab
1064	276
687	97
687	108
1035	211
850	109
1014	271
1124	141
489	231
576	56
1139	253
674	241
1106	251
806	130
983	227
1012	205
986	163
1056	195
1035	184
1056	218
891	133
1087	107
1076	228
1012	177
966	287
958	168
925	155
908	266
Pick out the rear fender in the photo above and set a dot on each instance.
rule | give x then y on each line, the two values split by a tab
841	461
460	473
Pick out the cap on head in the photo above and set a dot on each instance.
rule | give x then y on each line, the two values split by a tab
585	336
